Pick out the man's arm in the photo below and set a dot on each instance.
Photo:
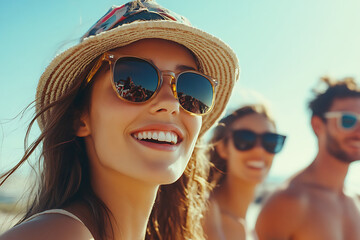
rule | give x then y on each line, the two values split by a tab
281	215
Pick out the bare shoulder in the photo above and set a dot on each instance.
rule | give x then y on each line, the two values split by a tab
283	212
294	195
49	226
212	221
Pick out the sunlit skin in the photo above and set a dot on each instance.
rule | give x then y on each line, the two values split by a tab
117	158
126	172
239	162
317	207
238	188
345	143
111	122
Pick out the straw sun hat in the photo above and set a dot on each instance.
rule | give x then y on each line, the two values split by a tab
123	25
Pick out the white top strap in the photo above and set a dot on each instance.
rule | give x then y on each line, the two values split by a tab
57	211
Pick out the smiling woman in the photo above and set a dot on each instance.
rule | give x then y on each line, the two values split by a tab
120	116
152	159
241	151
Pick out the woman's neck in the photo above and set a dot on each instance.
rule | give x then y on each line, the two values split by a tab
235	196
129	200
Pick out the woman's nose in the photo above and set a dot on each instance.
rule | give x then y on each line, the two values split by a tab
165	100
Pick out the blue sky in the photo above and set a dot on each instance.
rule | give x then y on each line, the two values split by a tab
283	48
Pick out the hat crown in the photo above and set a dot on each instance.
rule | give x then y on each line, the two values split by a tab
134	21
138	10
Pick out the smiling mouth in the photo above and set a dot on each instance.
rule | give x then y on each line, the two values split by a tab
256	164
159	137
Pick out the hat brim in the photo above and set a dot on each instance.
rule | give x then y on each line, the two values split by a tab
215	58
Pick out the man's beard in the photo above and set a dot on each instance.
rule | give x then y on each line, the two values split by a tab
333	147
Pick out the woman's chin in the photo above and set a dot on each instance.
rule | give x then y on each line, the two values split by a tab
165	178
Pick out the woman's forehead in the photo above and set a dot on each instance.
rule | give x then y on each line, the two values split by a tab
158	49
255	121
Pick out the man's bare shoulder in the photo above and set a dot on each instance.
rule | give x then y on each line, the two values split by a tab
294	196
48	226
283	212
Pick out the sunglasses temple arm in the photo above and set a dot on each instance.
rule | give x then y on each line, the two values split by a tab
98	64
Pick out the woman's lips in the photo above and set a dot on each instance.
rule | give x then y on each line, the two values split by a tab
162	137
256	164
159	136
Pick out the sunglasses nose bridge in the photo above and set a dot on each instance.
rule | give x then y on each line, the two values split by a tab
258	141
172	81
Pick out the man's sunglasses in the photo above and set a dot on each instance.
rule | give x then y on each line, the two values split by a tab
245	140
138	80
345	120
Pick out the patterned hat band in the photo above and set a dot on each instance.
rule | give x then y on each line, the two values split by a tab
131	22
131	12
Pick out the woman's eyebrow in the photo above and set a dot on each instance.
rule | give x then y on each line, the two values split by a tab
179	67
184	68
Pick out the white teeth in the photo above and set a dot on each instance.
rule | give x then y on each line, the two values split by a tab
173	138
168	137
154	136
256	164
160	136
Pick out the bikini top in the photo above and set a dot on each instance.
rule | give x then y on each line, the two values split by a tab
58	211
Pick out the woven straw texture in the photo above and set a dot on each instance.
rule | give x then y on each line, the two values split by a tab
215	57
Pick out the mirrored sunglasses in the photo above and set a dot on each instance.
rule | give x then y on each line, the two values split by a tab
138	80
246	139
345	120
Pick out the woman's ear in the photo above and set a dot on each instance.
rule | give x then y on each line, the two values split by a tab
82	125
222	149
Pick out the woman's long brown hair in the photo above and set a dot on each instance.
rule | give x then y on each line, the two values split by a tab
65	175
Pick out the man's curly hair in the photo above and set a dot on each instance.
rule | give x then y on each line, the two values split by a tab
336	89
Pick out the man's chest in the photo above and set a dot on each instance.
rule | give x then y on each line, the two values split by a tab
332	220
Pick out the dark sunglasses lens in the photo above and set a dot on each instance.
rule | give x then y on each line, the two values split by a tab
195	92
244	139
135	79
348	121
272	142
